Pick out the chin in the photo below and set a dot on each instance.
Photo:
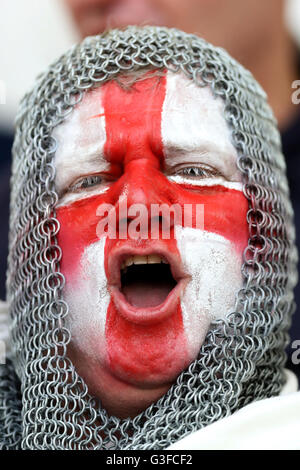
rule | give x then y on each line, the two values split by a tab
120	395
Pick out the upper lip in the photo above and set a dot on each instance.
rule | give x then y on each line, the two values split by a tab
147	315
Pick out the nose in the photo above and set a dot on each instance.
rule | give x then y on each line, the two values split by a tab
143	189
142	183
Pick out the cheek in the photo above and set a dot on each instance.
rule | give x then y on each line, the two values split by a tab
213	258
78	231
88	299
215	269
83	267
224	212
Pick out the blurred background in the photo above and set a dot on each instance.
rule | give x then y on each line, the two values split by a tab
35	32
263	35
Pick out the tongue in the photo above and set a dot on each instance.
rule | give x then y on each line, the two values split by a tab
142	294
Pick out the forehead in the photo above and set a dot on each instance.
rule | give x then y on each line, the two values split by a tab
191	120
195	111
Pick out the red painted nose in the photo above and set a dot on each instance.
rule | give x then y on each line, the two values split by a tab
143	189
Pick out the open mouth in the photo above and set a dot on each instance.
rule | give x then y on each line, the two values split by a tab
146	287
146	281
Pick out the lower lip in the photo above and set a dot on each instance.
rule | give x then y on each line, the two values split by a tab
150	315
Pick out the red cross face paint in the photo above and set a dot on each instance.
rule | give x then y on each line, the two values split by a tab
140	308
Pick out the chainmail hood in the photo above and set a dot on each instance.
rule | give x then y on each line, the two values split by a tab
44	404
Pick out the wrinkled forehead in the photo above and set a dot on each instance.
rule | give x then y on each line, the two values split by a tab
191	122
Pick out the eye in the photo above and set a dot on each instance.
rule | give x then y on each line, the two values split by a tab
196	172
86	182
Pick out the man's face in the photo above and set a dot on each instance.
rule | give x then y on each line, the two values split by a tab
141	304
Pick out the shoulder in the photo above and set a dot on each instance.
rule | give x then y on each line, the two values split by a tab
269	424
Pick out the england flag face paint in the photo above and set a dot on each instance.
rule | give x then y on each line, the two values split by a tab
140	307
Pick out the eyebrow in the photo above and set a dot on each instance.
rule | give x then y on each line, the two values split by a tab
92	157
203	149
96	157
84	160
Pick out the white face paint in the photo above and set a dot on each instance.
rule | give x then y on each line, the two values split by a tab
194	132
81	139
215	269
194	135
88	301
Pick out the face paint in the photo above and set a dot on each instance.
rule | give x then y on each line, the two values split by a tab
195	133
163	142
